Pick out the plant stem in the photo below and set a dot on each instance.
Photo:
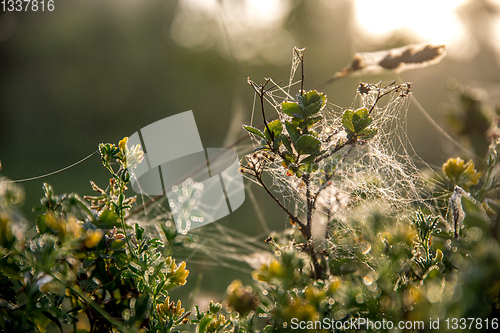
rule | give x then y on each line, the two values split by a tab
294	218
122	211
305	229
318	268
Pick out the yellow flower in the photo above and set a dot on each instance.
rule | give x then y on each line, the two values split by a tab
411	296
313	294
242	299
461	173
439	256
216	323
177	274
266	273
63	228
123	145
275	269
92	238
168	310
299	309
132	156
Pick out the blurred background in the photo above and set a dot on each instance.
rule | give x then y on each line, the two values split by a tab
95	71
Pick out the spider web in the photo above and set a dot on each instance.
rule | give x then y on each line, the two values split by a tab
380	171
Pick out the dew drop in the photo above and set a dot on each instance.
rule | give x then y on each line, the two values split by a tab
365	247
368	280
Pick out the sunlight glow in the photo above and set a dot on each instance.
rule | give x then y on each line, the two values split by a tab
253	27
429	20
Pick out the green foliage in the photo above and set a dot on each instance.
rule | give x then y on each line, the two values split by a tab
84	266
301	145
356	124
435	261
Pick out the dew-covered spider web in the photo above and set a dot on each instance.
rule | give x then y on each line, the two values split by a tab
379	173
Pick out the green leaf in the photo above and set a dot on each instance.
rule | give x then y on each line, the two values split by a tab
287	143
355	123
292	131
215	307
277	142
311	102
297	122
275	127
121	259
41	225
347	121
289	158
307	144
88	262
88	285
199	315
369	133
313	120
361	120
293	110
54	319
159	286
263	147
107	220
202	326
253	130
75	309
310	158
138	231
129	274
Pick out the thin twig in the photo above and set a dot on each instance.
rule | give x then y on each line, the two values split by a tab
294	218
259	89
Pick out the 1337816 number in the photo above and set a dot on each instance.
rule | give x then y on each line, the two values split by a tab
27	5
471	323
